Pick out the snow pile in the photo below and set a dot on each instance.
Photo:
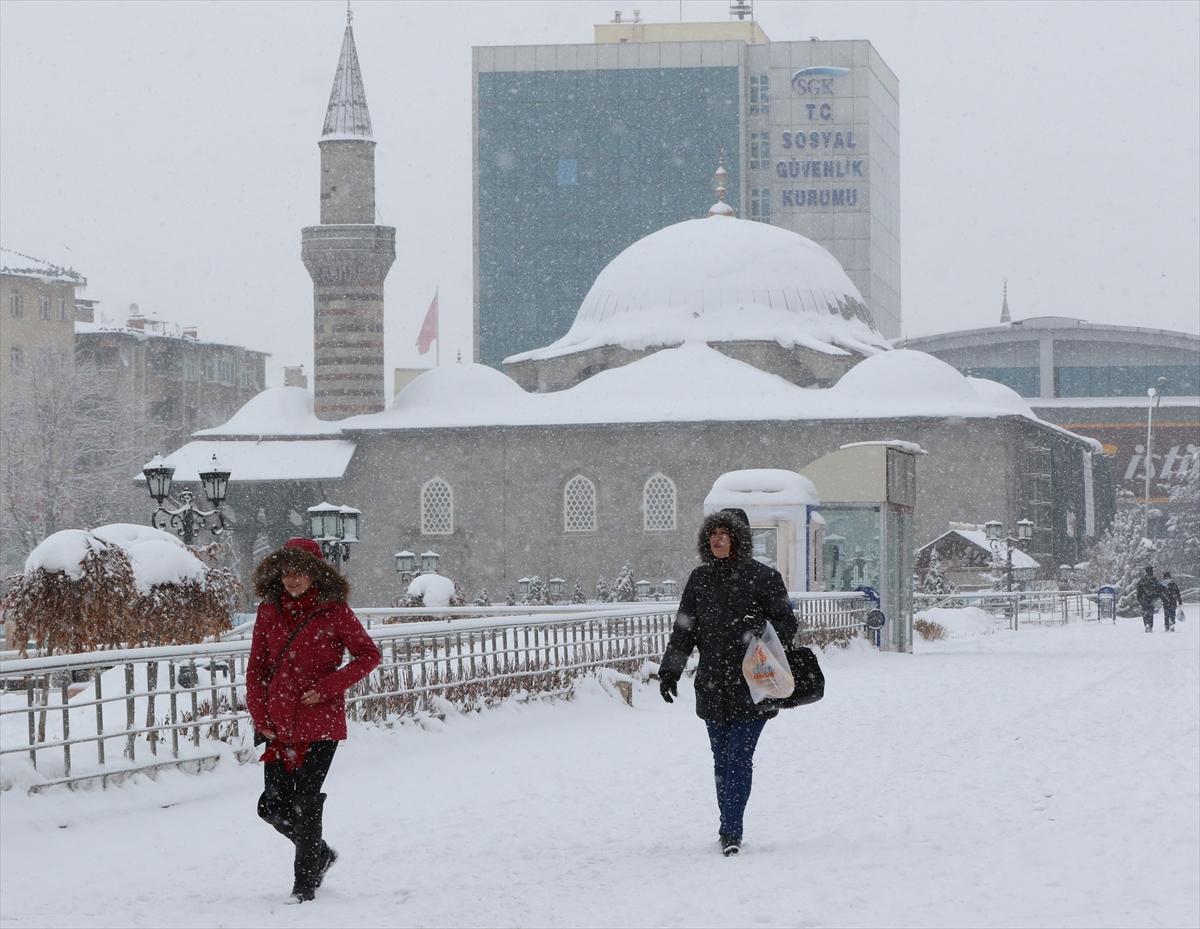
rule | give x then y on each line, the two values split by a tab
721	281
434	589
961	623
156	557
761	487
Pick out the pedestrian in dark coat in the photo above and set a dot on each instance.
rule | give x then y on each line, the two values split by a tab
727	599
1148	590
296	694
1172	599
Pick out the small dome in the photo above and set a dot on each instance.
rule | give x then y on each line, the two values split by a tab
721	279
275	411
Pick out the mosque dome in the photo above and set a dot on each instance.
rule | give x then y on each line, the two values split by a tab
721	279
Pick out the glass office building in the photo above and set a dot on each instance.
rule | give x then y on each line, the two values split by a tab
580	150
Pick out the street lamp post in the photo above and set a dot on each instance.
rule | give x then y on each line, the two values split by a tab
1154	397
335	528
185	519
997	542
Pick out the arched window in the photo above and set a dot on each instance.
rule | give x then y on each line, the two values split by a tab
658	504
437	508
579	505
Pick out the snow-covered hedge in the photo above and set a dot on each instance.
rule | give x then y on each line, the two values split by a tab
118	585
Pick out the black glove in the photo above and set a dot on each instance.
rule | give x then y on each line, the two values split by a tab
669	688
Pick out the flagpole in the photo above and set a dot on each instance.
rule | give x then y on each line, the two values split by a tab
437	358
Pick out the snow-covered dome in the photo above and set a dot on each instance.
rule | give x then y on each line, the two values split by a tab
450	395
721	279
275	411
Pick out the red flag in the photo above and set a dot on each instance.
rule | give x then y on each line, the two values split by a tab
429	328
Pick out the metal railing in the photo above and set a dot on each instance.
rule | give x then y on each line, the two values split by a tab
104	715
1040	607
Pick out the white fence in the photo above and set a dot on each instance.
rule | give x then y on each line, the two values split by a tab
1040	607
101	715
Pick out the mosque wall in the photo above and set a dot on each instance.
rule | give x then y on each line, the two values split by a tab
508	487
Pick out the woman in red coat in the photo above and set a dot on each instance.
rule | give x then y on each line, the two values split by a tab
296	694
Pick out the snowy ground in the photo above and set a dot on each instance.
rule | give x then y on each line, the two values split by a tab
1048	777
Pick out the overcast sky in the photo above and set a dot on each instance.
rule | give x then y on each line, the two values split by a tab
168	151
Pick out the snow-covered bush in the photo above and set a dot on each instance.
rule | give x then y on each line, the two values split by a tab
603	591
118	585
929	630
577	594
934	581
482	598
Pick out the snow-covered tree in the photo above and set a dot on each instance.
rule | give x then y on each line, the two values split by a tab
577	594
603	591
538	594
1183	525
482	598
510	598
624	588
1120	556
68	451
934	581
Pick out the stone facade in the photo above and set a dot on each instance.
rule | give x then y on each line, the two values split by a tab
507	489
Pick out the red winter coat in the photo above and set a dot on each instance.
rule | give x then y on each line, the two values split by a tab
312	663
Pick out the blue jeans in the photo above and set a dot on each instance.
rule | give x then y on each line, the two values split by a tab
733	765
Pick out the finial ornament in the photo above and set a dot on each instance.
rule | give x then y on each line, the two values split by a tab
720	208
349	13
1005	316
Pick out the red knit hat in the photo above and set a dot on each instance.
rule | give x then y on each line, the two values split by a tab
305	545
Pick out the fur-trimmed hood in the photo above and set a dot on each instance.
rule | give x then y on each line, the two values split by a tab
268	576
739	533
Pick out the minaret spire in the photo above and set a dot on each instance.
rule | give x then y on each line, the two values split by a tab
346	116
1005	316
721	208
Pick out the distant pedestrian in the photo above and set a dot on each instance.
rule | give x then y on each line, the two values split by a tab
1148	590
295	691
726	600
1171	600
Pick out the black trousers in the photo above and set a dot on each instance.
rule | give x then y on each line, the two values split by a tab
1148	615
1169	615
293	804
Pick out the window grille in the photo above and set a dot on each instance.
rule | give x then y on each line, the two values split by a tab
43	306
760	100
579	505
16	306
658	504
437	508
760	204
62	308
760	149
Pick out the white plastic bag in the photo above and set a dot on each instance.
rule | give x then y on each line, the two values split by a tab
766	669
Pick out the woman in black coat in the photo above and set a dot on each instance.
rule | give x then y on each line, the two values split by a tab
726	600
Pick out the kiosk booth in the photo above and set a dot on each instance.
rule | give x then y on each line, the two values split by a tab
869	490
784	520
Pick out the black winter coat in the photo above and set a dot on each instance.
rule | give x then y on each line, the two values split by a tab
717	597
1148	590
1171	596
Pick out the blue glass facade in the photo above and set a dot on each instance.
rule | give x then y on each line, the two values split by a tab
1096	380
576	165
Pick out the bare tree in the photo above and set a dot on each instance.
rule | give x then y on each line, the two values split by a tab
69	452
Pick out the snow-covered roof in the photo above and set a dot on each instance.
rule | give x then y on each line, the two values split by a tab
270	460
978	538
758	487
156	557
156	329
662	387
346	117
276	411
21	265
721	279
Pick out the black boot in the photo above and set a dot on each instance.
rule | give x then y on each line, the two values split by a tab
277	814
311	850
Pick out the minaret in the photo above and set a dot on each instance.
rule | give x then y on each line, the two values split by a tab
1005	316
348	256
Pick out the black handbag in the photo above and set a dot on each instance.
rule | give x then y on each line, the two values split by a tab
810	679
